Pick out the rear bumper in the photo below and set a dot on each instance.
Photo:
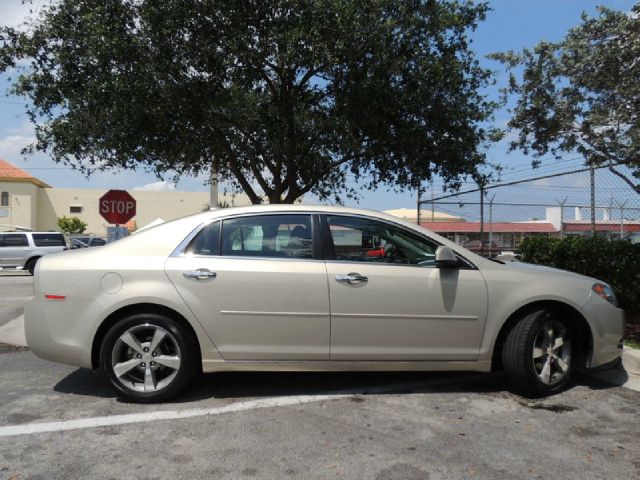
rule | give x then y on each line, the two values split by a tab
54	332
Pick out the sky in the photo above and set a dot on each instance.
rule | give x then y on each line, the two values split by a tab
511	25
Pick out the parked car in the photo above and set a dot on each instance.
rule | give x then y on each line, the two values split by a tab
289	287
89	240
21	250
75	243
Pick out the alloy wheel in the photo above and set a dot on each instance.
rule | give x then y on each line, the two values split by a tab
146	358
552	352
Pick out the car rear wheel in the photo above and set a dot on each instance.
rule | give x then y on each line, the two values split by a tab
31	265
149	357
538	352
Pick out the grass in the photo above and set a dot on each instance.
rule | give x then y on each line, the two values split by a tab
632	344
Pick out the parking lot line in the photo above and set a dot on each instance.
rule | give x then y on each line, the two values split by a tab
93	422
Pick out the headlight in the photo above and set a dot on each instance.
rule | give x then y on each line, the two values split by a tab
605	291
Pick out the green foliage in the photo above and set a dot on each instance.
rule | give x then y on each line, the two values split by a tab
71	225
291	96
616	262
581	94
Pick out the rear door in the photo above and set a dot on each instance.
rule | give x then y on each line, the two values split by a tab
258	286
49	242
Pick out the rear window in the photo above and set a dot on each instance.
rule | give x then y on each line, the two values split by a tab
49	240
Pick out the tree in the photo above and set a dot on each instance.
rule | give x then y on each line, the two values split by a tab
71	225
283	96
582	94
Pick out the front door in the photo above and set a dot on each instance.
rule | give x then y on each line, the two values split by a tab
390	302
258	287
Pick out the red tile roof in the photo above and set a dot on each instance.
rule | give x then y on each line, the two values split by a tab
499	227
602	227
11	173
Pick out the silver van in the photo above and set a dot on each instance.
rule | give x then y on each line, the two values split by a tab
21	250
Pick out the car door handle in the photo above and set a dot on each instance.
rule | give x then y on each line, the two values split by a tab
352	278
199	274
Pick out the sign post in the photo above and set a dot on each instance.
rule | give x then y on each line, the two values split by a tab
117	207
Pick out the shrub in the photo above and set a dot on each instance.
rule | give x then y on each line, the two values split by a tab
616	262
71	225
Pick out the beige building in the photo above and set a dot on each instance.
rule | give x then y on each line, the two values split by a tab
426	215
27	202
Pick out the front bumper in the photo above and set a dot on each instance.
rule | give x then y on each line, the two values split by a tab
607	328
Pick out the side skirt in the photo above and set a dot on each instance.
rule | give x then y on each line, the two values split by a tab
341	366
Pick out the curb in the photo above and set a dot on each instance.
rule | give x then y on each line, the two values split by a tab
631	360
12	333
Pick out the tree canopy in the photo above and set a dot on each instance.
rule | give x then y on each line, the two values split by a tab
582	94
279	97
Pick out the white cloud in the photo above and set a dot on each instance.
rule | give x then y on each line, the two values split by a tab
159	186
13	140
14	12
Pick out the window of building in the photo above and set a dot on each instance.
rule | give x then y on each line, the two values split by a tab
75	209
277	236
365	240
4	199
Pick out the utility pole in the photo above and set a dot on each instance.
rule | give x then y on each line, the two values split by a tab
481	219
213	190
418	205
592	175
491	222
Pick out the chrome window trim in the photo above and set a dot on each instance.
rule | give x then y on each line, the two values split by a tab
468	263
179	250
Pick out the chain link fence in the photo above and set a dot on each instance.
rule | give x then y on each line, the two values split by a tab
495	219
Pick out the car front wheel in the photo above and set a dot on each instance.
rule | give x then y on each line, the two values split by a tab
537	353
148	357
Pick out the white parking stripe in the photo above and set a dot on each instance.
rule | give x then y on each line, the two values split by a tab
30	428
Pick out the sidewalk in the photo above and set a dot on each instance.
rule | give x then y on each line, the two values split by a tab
12	333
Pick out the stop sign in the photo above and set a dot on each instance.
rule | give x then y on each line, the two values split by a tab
117	206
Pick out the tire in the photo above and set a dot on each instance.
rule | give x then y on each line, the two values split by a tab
31	265
134	368
539	354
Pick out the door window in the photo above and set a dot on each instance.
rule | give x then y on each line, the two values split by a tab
207	242
49	240
366	240
14	240
276	236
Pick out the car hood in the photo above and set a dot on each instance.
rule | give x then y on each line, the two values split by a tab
539	270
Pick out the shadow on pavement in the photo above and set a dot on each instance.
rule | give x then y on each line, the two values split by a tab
273	384
226	385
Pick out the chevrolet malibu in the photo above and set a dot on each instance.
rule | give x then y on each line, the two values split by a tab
285	287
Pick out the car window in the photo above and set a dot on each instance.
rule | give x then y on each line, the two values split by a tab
366	240
48	240
14	240
97	242
206	242
278	236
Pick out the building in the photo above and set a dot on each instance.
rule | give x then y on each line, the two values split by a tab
498	236
411	215
27	202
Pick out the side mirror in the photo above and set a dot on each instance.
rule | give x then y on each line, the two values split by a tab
445	258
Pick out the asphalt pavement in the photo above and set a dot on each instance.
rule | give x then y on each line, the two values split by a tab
62	422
